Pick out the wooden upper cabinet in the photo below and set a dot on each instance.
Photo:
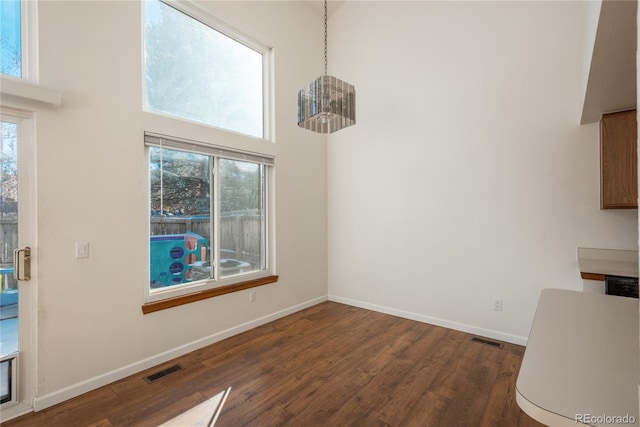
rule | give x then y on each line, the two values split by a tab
618	161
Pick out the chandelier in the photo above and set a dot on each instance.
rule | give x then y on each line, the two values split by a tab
327	104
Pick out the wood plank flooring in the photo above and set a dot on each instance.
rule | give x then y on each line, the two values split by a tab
329	365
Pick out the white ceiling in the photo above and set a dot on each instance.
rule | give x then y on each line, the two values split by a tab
318	6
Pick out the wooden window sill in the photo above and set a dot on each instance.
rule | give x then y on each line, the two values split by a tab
150	307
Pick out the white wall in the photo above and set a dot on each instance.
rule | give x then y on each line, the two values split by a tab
468	176
91	186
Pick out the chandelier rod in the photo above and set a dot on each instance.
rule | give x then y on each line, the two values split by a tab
325	37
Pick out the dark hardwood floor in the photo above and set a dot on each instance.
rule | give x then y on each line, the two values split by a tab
329	365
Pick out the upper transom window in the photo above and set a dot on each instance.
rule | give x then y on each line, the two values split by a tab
196	72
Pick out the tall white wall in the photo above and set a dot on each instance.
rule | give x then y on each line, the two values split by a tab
468	176
91	187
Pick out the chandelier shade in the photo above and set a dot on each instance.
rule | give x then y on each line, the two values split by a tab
326	105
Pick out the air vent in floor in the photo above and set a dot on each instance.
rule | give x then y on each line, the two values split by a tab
156	376
488	342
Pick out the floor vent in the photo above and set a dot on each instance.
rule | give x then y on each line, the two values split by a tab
488	342
156	376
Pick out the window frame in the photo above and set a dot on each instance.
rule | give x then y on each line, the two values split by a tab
215	24
170	296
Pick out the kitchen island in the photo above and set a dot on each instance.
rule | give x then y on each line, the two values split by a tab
581	360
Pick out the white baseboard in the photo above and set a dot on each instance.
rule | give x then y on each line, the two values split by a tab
42	402
489	333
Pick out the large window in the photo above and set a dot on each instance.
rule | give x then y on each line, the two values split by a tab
208	215
196	72
209	204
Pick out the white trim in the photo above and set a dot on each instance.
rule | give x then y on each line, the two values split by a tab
489	333
214	252
29	92
268	97
29	41
77	389
27	232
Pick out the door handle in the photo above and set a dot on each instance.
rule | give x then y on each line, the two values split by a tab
25	274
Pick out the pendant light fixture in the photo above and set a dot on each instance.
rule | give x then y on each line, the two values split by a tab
327	104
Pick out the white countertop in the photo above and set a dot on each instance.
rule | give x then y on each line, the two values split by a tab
581	360
608	262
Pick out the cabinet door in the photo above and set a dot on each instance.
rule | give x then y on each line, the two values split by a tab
618	161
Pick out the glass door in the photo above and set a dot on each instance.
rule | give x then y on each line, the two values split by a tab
17	314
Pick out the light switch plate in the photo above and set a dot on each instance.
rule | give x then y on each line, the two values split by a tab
82	249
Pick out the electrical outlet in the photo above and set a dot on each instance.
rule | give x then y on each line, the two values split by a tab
252	296
497	304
